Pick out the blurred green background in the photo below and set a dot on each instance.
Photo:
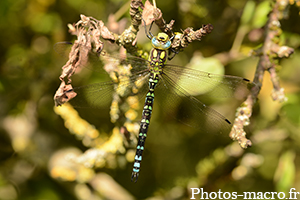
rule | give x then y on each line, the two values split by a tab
177	157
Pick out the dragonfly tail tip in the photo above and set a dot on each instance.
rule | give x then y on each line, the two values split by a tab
134	177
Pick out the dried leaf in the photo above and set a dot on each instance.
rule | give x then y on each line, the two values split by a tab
148	13
105	33
64	94
88	31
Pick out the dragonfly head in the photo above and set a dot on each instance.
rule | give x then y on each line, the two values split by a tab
161	41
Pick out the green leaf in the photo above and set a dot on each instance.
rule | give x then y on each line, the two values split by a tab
261	14
285	173
292	109
248	12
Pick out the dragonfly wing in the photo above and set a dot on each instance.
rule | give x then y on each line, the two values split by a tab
128	73
196	82
94	95
100	94
190	110
95	61
83	55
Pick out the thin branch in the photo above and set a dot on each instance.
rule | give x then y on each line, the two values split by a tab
268	54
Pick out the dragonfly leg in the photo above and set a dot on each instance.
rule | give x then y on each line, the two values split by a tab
148	33
171	50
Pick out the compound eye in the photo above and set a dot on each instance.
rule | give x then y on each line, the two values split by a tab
163	45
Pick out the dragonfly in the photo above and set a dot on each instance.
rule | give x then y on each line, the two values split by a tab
157	74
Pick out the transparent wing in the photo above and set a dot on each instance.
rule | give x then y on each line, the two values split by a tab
86	57
183	83
100	94
95	61
194	82
63	48
190	110
129	74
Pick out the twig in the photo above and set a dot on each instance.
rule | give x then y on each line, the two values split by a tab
268	54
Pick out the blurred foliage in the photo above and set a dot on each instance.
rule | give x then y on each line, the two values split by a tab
37	148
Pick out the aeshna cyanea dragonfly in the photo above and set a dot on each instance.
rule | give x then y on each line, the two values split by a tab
157	75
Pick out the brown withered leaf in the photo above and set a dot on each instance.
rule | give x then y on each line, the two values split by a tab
88	31
105	33
78	57
98	43
64	94
149	13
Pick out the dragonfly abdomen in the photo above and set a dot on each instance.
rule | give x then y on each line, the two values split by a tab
146	116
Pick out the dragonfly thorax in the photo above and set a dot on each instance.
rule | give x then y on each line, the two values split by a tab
159	53
157	60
